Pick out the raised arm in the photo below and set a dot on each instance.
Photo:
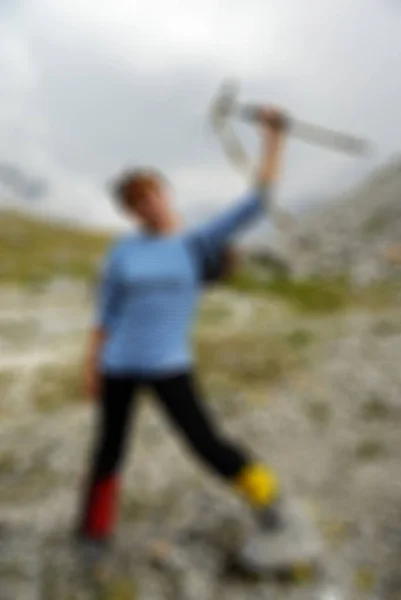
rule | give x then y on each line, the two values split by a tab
273	129
219	229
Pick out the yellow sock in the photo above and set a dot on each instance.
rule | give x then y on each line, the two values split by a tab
258	484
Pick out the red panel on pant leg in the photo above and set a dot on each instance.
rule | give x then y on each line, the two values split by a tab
102	509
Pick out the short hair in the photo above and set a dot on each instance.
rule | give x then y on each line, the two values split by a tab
139	178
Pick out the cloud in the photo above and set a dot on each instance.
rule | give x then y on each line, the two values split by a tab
91	87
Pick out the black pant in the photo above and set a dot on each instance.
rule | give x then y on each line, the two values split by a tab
180	400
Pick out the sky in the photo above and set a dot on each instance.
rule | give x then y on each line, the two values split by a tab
91	88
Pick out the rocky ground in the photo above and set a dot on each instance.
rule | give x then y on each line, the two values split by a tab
318	396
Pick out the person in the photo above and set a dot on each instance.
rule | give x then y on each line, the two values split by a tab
220	267
146	305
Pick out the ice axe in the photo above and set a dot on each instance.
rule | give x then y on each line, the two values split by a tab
219	115
226	105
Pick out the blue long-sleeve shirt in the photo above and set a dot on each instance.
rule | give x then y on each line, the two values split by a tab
149	292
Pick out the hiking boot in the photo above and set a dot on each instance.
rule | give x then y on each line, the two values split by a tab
271	518
282	538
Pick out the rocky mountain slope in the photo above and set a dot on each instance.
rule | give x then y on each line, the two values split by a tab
358	236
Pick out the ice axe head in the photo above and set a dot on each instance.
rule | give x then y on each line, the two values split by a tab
224	103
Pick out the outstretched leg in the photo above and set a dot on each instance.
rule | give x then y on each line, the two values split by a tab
99	511
281	537
180	397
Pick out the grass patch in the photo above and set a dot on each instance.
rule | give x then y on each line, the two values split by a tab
119	589
320	295
30	486
365	579
12	571
6	381
56	386
375	409
35	251
376	224
133	509
313	295
319	412
379	295
18	332
212	314
247	358
7	463
369	450
310	296
300	338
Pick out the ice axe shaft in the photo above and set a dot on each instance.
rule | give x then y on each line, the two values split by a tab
309	132
227	105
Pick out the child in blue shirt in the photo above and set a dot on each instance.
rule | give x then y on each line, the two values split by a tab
147	301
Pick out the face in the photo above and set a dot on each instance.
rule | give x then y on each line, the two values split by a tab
150	203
